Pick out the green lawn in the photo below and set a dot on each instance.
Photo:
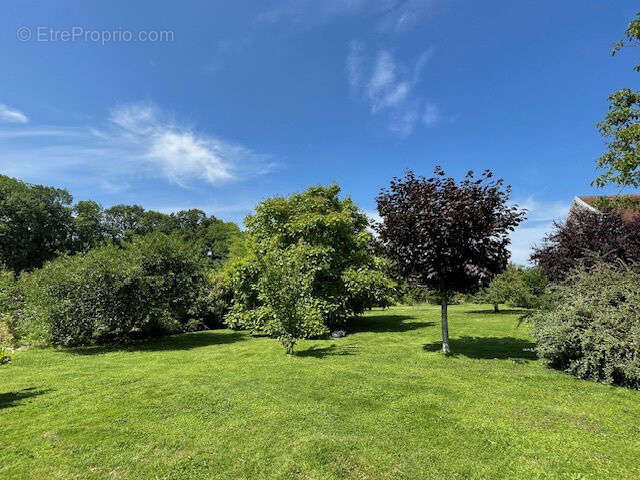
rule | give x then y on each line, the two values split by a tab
380	403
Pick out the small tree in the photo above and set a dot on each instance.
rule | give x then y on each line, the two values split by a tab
500	290
286	291
518	286
88	222
448	236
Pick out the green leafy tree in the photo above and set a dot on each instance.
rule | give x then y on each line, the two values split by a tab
500	289
621	128
518	286
328	235
123	221
36	223
88	224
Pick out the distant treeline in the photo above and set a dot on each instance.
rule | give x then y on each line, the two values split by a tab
39	223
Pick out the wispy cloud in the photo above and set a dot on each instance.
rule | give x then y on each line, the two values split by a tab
431	115
12	115
388	87
223	51
136	141
179	152
387	15
540	218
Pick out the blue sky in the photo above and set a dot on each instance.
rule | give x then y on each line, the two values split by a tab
219	104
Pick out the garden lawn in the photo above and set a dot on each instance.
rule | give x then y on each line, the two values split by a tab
382	403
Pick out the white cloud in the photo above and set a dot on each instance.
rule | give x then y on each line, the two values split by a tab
384	89
388	87
12	115
137	142
404	15
540	218
180	153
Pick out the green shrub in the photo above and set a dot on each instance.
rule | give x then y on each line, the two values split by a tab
592	330
215	303
148	287
10	304
368	288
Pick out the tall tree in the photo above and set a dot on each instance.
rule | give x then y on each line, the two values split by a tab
621	128
122	221
88	224
448	236
35	223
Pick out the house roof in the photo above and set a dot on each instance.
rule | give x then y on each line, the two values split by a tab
592	200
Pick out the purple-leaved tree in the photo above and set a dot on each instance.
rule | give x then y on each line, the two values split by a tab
445	235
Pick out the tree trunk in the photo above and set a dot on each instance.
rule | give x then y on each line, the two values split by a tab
446	349
495	308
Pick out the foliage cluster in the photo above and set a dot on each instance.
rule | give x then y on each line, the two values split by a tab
593	329
517	286
149	286
621	127
316	247
38	223
586	238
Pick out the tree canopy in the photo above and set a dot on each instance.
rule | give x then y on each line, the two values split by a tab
38	223
327	244
446	235
584	238
621	128
35	223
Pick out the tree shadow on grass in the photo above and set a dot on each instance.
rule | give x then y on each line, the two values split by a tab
386	323
331	350
185	341
506	311
488	348
12	399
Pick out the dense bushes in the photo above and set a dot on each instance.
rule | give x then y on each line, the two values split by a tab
150	286
408	294
593	329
